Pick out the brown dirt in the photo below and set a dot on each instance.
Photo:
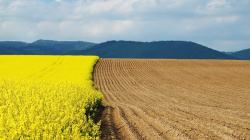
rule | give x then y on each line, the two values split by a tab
174	99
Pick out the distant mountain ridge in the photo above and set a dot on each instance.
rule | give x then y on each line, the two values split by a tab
12	47
42	47
50	47
115	49
159	49
243	54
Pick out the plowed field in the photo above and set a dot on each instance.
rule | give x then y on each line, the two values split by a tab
174	99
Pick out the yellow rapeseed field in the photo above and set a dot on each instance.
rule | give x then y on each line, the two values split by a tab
48	97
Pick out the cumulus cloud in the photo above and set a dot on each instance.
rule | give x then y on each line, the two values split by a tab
226	19
205	22
218	3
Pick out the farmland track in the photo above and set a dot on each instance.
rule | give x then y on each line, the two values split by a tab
174	99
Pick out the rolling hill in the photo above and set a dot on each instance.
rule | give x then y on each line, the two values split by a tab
243	54
49	47
42	47
12	47
160	49
119	49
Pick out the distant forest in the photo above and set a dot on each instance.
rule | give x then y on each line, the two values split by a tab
120	49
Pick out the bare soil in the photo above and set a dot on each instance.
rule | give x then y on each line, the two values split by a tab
174	99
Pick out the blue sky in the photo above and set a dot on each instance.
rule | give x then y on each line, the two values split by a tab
219	24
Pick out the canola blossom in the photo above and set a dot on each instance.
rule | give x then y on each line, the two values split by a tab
48	97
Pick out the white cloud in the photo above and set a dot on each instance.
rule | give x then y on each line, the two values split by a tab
143	20
47	25
218	3
16	5
214	7
121	26
7	25
114	7
226	19
95	28
102	6
16	30
209	23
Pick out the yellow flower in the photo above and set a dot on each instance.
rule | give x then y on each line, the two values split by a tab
46	97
